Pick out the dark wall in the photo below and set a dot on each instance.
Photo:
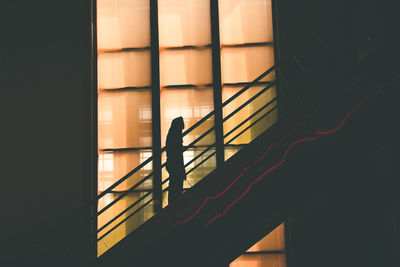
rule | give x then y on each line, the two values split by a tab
45	116
357	223
323	43
354	224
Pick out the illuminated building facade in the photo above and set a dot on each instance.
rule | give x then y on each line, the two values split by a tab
158	60
50	114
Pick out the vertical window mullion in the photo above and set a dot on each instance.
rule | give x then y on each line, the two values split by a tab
216	68
155	94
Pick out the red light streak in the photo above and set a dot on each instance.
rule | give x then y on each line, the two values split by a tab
313	138
246	191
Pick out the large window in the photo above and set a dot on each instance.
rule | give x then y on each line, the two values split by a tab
180	47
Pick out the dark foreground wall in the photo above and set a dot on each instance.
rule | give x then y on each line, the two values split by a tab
44	111
357	223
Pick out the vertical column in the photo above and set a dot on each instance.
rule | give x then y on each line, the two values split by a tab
93	132
155	96
216	63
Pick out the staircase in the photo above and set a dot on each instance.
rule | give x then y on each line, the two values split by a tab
281	172
254	189
256	106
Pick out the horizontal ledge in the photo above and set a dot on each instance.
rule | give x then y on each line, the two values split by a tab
125	149
125	49
268	252
240	84
129	88
247	44
181	86
172	86
186	47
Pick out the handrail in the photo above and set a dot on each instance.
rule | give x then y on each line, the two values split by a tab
122	212
229	100
126	176
109	189
201	162
130	215
191	145
196	125
248	101
145	178
124	194
150	159
89	204
272	83
250	117
245	129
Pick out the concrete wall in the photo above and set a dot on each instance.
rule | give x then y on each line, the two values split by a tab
45	116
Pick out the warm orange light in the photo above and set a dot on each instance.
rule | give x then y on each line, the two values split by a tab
186	79
274	241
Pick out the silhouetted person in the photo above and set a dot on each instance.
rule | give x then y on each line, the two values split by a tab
175	166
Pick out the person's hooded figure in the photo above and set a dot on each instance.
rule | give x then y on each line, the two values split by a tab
175	166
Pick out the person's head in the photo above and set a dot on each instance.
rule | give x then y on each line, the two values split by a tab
178	124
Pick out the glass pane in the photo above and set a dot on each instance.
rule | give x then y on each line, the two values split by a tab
185	78
243	21
273	241
269	251
124	69
185	66
204	162
259	106
118	24
244	64
271	260
125	119
115	165
126	223
192	104
184	22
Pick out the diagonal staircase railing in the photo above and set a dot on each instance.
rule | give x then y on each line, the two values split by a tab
118	216
108	231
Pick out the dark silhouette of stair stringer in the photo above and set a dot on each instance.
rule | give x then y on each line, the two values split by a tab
234	207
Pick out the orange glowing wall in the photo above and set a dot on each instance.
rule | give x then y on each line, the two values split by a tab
246	37
186	80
